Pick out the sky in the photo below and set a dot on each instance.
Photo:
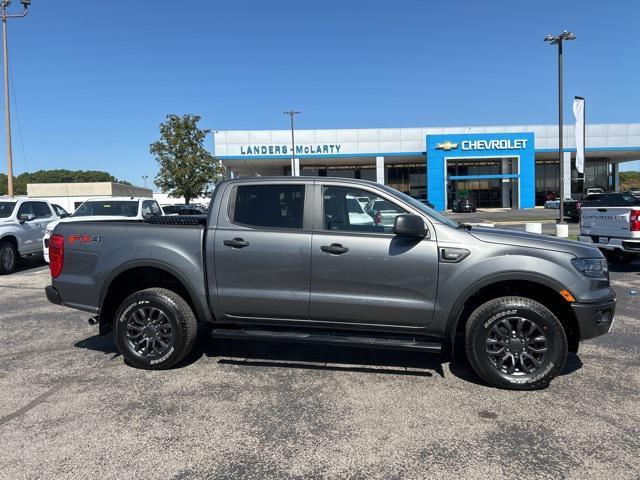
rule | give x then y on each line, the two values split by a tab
92	80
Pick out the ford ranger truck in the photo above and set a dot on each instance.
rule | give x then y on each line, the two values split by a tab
279	259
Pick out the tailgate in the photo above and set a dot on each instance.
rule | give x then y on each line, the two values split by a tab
606	221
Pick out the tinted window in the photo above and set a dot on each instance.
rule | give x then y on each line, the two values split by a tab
271	206
42	210
343	211
6	208
26	209
150	207
59	210
119	208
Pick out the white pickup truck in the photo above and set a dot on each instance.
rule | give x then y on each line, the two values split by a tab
612	223
22	225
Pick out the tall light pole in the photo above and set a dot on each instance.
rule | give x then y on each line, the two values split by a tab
7	110
144	177
292	113
557	40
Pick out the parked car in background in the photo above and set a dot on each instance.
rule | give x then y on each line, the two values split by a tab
297	270
594	190
613	225
22	225
183	210
382	211
635	192
552	204
115	208
464	205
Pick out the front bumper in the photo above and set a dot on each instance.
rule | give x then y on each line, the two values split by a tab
594	319
52	295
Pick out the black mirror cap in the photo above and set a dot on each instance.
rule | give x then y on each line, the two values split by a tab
410	226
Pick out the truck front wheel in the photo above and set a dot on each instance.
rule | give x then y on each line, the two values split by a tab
155	329
515	343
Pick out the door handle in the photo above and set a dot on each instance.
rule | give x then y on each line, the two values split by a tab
334	248
236	243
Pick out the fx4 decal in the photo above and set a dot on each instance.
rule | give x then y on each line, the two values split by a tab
84	239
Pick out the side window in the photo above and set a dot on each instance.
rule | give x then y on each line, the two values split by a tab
150	207
42	210
26	209
60	211
269	206
355	210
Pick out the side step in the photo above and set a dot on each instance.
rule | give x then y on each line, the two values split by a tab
399	343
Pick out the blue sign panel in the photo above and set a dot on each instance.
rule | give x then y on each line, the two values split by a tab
441	148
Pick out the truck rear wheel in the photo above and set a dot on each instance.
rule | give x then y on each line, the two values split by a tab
515	343
8	257
155	329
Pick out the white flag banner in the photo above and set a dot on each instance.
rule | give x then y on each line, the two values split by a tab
578	113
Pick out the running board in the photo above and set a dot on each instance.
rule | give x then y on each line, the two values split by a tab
407	343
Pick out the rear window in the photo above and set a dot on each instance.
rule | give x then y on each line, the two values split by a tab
269	206
6	208
120	208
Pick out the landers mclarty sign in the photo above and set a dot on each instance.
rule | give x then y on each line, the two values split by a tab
286	150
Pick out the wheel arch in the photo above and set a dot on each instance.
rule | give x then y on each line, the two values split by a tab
12	239
136	276
540	288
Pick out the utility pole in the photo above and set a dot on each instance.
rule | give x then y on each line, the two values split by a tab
557	40
144	177
292	113
7	109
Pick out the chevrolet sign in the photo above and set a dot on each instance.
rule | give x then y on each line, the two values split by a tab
505	144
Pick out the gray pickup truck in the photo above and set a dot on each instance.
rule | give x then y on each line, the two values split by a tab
286	259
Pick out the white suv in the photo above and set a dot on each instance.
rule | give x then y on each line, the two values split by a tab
22	225
113	208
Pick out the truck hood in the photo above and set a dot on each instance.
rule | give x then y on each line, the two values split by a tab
534	240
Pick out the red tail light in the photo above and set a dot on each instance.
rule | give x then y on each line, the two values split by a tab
56	255
634	220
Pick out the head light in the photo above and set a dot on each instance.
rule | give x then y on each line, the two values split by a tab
592	267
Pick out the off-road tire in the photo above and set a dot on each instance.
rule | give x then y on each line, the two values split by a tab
7	252
180	320
480	330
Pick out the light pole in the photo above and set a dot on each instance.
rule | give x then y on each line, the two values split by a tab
7	110
557	40
144	177
292	113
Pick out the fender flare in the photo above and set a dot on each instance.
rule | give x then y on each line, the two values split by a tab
467	293
201	312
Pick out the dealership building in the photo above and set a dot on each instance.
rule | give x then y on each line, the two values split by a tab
513	166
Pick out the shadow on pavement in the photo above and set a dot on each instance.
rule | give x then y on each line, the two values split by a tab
270	354
105	344
260	353
30	263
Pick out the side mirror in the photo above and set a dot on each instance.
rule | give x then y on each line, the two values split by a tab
64	215
410	226
26	217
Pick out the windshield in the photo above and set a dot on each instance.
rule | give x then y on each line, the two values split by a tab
423	208
6	208
104	207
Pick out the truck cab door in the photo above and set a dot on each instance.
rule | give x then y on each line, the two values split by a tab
262	248
28	228
361	273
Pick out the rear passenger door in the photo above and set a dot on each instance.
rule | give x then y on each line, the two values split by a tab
262	250
361	272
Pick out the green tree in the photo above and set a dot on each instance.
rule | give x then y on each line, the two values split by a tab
55	176
187	169
630	179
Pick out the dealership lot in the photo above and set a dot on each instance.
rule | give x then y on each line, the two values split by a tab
70	407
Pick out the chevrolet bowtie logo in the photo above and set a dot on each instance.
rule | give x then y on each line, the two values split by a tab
446	146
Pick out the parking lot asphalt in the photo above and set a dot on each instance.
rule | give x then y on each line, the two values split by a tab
70	407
